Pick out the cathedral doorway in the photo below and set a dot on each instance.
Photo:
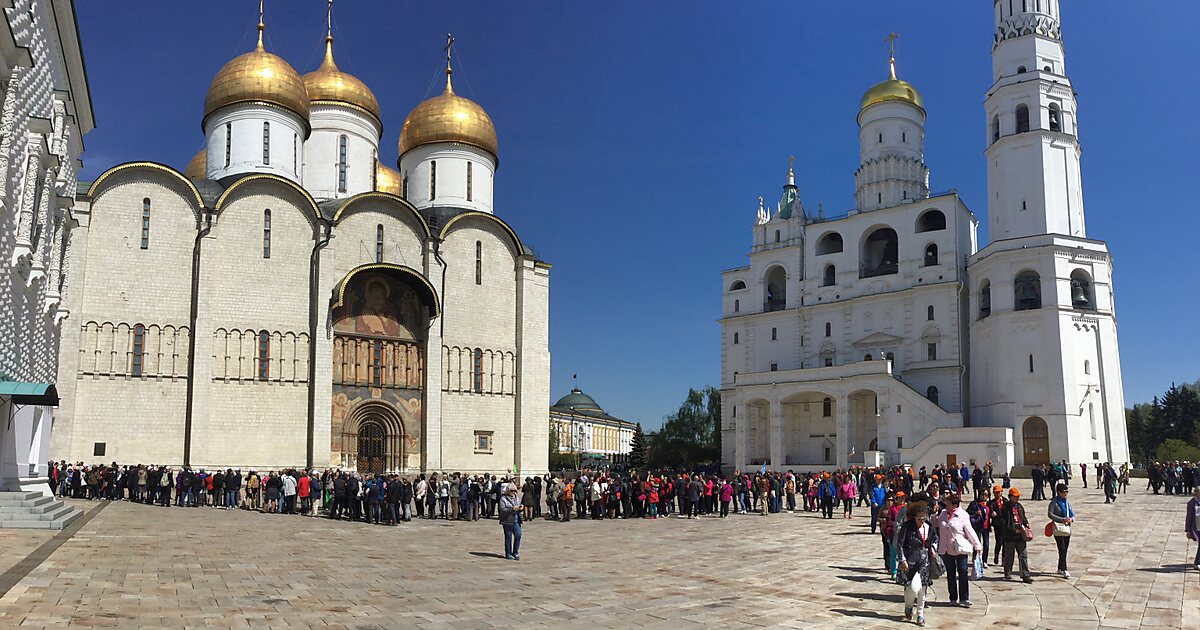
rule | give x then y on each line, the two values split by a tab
372	448
1035	437
380	315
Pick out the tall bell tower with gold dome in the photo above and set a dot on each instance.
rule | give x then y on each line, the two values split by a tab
448	151
256	116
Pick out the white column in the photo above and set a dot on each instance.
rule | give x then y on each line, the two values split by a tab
24	245
843	430
776	434
740	432
7	117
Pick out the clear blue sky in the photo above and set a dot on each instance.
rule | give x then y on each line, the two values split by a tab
635	137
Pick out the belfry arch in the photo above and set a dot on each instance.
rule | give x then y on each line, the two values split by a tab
380	315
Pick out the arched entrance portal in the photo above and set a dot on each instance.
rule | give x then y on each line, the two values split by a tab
1035	437
380	315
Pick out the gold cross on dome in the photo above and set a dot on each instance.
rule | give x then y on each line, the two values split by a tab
449	42
891	41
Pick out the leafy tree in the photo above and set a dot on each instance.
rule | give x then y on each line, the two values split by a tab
1176	414
637	449
1172	449
692	434
557	460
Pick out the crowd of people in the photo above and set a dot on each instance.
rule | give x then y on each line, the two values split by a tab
946	520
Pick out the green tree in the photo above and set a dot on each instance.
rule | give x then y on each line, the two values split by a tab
1176	414
692	434
1172	449
637	449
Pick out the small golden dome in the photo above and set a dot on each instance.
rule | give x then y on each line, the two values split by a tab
257	76
448	117
892	90
197	167
388	180
328	84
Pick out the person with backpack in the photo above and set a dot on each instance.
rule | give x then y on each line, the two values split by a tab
1061	515
1016	534
827	495
566	499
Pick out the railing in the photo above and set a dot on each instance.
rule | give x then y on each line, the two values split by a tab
885	269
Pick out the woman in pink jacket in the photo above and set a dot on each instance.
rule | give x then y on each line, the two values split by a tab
957	542
847	492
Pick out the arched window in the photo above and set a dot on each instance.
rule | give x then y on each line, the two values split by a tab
139	350
1027	291
931	221
267	233
1022	118
774	334
478	262
1092	418
1021	70
737	285
736	339
1087	367
929	313
469	182
867	357
985	300
1083	295
737	306
932	394
432	180
827	407
264	355
931	255
376	362
266	143
1031	364
830	276
828	329
776	236
995	128
477	371
891	356
1055	117
830	243
880	254
341	164
379	243
146	223
228	142
776	289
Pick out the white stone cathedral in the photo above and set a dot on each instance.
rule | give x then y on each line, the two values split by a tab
886	336
287	300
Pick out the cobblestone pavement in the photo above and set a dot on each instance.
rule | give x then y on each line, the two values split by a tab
140	566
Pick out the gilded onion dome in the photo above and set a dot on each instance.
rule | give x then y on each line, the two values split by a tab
327	84
197	167
448	117
892	89
257	76
387	180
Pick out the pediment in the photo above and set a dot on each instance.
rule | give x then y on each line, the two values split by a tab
878	340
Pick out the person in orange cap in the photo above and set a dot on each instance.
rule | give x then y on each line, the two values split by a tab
1014	525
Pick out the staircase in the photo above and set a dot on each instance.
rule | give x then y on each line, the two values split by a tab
32	510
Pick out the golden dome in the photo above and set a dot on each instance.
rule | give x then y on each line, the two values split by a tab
197	167
328	84
892	90
257	76
387	180
448	117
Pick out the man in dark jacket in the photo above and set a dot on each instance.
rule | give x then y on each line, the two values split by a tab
1013	521
339	497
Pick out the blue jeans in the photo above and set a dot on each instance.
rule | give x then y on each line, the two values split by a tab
956	577
231	498
512	539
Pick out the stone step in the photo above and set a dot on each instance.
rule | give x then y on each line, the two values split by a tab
66	521
37	500
6	497
27	525
31	510
25	507
56	512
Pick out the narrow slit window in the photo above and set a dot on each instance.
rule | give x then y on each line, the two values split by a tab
374	170
139	347
376	362
264	355
469	182
341	164
295	152
379	243
266	143
477	371
146	223
432	180
404	186
267	233
478	262
228	142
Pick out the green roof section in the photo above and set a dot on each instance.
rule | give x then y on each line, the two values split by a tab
29	393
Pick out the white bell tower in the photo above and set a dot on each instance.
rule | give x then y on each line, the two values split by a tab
1043	332
1032	133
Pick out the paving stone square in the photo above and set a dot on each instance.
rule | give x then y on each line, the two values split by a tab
133	566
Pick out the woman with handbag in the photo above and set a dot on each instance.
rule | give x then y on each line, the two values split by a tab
1061	516
1016	533
957	542
918	539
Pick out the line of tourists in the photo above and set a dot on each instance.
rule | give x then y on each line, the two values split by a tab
1179	478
